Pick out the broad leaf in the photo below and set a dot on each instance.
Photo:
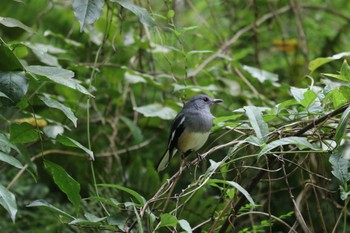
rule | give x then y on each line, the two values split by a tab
135	130
138	197
318	62
140	12
8	201
344	73
60	76
256	120
65	182
340	96
42	52
168	220
298	141
6	145
53	130
42	203
14	85
72	143
185	225
157	110
55	104
11	23
8	60
10	160
340	167
262	75
87	11
23	133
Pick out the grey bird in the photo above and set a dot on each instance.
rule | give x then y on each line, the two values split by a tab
190	128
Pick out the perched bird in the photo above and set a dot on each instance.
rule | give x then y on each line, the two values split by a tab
190	129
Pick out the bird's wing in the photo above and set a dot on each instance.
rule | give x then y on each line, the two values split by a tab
176	130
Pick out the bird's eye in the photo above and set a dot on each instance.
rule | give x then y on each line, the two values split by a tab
206	99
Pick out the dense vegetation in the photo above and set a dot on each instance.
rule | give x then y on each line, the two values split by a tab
88	89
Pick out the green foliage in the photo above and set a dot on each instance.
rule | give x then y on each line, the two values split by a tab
88	89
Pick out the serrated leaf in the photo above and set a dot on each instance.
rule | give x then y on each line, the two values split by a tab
342	125
298	141
55	104
133	193
140	12
8	201
185	225
67	141
65	182
60	76
10	160
135	130
318	62
257	122
235	185
14	85
87	11
23	133
340	167
157	110
42	203
8	60
168	220
11	22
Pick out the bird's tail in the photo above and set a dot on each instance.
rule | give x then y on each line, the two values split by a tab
164	161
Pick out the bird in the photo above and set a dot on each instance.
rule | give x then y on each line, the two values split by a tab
190	128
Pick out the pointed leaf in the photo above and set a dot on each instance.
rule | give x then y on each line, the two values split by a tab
14	85
6	145
72	143
140	12
8	201
11	22
256	120
87	11
138	197
58	75
299	141
23	133
185	225
262	75
340	167
65	182
135	130
42	203
8	60
157	110
10	160
318	62
342	125
55	104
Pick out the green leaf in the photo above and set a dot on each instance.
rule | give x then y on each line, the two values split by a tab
72	143
8	201
10	160
262	75
133	78
6	145
254	141
140	12
168	220
342	125
185	225
340	166
344	194
344	73
256	120
138	197
55	104
235	185
309	97
14	85
318	62
60	76
53	130
65	182
157	110
23	133
11	23
135	130
340	96
87	11
8	60
42	52
299	141
42	203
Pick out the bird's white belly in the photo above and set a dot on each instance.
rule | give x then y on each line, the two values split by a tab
192	141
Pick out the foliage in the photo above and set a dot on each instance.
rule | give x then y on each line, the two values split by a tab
87	89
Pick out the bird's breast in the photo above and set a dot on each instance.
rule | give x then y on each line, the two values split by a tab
192	140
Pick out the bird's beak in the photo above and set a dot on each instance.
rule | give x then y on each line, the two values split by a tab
215	101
